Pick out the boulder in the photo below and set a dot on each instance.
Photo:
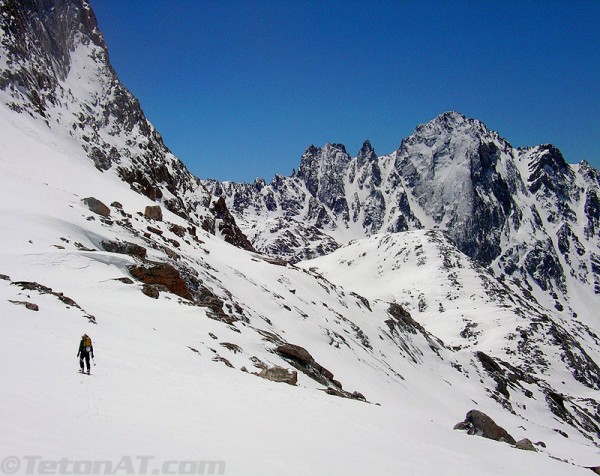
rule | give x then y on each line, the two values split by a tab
96	206
28	305
124	247
154	230
300	354
279	374
300	358
162	274
478	423
358	396
178	230
150	291
525	444
153	212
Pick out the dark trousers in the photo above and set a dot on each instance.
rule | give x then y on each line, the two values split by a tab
86	356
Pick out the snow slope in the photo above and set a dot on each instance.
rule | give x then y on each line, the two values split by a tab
150	394
183	322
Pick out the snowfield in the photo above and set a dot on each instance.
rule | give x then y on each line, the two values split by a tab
155	391
211	358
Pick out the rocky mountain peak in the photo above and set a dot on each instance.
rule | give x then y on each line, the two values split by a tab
547	160
446	121
551	176
366	154
39	37
452	126
324	165
451	117
54	66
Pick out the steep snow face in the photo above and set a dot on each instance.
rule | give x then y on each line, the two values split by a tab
57	70
459	175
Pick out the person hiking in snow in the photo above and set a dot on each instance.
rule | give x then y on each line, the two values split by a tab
85	350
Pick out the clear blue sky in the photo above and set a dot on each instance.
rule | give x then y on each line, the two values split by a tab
239	89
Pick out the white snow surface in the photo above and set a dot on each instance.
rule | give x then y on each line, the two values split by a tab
155	388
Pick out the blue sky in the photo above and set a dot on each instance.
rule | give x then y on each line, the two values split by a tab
239	89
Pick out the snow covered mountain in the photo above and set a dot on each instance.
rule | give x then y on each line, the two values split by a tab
527	213
385	343
468	308
55	66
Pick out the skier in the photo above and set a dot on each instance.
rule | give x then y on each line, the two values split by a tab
85	350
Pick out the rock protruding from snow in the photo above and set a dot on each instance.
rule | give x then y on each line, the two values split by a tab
480	424
124	247
96	206
279	374
153	212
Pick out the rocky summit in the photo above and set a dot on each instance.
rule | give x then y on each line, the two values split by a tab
380	297
525	213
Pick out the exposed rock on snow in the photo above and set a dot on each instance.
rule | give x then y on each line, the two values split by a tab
228	227
28	305
279	374
526	445
124	247
45	290
153	212
162	274
97	206
478	423
503	241
300	358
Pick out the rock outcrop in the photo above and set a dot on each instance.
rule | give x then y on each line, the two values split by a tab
478	423
96	206
162	274
279	374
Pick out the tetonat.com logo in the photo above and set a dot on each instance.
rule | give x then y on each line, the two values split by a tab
126	465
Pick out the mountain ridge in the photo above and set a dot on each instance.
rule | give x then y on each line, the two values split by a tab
452	174
56	66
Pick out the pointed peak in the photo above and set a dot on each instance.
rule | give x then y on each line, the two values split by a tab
366	153
366	148
451	122
339	147
451	117
548	156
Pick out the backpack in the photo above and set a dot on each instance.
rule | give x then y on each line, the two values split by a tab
87	343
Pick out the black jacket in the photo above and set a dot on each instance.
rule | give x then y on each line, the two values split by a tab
82	350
